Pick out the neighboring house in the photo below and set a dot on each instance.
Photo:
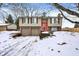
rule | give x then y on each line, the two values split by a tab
36	25
12	27
3	27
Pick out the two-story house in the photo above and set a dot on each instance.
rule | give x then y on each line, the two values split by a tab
36	25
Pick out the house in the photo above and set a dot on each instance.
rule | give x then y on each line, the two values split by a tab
3	27
12	27
36	25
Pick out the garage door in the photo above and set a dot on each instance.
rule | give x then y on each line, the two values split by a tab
26	31
35	31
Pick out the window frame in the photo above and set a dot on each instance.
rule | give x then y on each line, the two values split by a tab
34	21
53	20
27	20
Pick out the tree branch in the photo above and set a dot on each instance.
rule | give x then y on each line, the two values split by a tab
58	6
68	18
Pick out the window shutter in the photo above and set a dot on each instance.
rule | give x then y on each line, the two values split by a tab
28	20
58	21
51	20
55	20
37	20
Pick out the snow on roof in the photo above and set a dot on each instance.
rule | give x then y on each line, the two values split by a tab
12	26
3	24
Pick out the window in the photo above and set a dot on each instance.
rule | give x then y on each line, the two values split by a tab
53	20
27	20
54	29
57	21
34	20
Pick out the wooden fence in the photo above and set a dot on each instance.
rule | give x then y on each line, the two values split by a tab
71	29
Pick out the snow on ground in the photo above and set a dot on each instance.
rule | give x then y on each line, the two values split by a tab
62	43
15	46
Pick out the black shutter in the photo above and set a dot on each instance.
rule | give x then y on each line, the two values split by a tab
55	20
28	20
51	20
31	20
23	20
37	20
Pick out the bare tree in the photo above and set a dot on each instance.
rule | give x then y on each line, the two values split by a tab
3	15
71	12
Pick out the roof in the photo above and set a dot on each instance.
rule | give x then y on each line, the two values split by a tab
3	24
12	26
39	17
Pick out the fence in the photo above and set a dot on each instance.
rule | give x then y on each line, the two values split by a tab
71	29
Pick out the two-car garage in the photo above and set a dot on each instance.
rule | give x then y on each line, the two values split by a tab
27	31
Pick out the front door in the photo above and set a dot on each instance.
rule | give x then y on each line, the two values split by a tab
44	25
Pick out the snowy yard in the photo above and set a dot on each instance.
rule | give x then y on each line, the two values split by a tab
15	46
63	43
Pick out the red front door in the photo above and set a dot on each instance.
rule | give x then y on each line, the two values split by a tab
44	25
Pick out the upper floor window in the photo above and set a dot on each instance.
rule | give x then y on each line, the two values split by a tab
34	20
53	20
57	21
27	20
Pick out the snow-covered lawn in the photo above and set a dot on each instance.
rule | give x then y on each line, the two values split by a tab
15	46
63	43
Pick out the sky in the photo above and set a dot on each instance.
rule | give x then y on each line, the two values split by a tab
43	6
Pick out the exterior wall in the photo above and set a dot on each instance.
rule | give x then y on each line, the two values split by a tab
54	24
39	23
34	29
2	28
59	28
30	24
